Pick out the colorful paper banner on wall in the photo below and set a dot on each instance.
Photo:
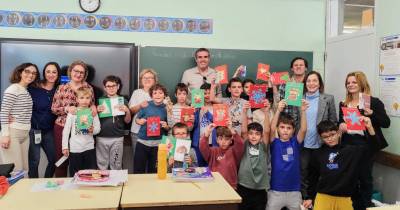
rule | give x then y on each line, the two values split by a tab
105	22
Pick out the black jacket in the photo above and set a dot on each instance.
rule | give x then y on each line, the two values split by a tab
334	170
379	120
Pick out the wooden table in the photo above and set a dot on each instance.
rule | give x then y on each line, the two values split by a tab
20	197
145	191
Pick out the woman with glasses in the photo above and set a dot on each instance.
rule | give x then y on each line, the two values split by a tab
139	98
65	102
357	92
41	133
15	116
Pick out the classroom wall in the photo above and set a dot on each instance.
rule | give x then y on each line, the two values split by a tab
386	179
294	25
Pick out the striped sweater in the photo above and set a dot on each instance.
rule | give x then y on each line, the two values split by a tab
17	104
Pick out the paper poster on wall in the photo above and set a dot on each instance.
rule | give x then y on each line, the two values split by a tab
389	60
389	94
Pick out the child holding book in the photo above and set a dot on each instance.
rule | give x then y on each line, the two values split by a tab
110	140
174	113
253	171
285	159
181	131
235	103
225	158
334	168
203	117
77	140
146	148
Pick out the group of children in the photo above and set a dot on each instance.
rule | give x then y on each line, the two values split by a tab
253	157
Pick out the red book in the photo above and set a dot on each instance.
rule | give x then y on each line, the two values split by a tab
279	78
262	72
185	115
352	118
220	114
222	74
153	126
257	95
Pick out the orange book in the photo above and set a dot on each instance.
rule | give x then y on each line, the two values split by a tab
262	72
222	74
220	114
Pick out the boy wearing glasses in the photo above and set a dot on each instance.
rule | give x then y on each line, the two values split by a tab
110	140
181	131
334	168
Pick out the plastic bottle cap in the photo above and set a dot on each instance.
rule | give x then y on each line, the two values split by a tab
162	147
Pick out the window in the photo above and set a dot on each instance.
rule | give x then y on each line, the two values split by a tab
357	15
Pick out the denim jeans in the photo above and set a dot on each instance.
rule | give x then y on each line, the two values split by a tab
47	144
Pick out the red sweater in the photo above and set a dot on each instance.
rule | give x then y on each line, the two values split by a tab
226	161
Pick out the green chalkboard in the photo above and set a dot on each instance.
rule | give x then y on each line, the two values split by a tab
171	62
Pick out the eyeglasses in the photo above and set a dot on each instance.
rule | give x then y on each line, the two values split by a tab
148	78
328	137
26	71
111	86
180	134
78	72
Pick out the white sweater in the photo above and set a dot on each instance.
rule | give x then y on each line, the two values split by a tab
78	142
17	103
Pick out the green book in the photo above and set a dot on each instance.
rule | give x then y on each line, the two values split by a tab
84	118
294	93
170	141
111	106
197	98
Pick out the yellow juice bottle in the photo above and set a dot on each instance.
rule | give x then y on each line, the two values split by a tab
162	161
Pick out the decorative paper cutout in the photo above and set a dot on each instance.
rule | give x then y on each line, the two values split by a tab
352	118
294	93
197	98
222	74
153	126
262	72
220	114
257	95
279	78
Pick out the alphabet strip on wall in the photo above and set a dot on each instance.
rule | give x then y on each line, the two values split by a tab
74	21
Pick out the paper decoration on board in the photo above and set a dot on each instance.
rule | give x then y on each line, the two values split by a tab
220	114
182	147
243	71
84	119
186	113
262	72
352	118
153	126
279	78
74	21
294	93
170	141
197	98
257	95
111	106
222	74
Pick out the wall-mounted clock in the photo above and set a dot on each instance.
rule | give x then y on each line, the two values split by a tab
89	6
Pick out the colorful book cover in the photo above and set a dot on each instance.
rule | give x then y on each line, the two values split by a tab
257	95
192	174
170	141
220	114
243	71
153	126
197	98
294	93
279	78
84	118
222	74
182	147
111	106
262	72
352	118
366	99
186	113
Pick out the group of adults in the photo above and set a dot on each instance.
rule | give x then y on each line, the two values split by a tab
34	110
322	107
